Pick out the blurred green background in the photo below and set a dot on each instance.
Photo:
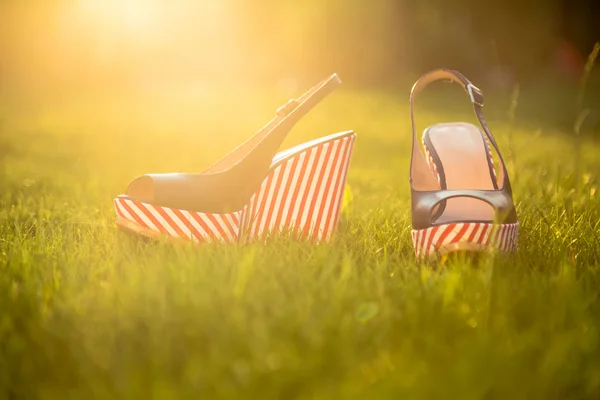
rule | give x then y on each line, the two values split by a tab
89	47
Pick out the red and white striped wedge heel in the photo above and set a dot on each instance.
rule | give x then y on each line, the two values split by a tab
253	192
459	201
302	195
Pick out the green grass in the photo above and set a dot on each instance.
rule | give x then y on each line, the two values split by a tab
87	312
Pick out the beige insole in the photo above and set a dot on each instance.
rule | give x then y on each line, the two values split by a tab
462	151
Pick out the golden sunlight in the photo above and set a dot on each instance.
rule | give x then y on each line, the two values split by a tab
132	16
59	45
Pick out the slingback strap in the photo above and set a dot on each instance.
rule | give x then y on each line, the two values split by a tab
298	108
285	117
421	177
425	189
227	185
311	97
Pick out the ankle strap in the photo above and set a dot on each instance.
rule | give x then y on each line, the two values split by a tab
313	96
420	172
473	91
264	144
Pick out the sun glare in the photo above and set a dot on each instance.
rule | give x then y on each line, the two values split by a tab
133	16
76	43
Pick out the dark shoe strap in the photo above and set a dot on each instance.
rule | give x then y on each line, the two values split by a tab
227	185
421	177
424	202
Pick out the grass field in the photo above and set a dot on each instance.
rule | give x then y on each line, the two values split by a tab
89	313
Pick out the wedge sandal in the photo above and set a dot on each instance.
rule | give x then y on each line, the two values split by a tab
253	192
461	200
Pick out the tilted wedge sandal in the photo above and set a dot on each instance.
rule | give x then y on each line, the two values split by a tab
252	192
461	201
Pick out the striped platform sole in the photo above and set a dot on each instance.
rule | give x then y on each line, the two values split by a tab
153	221
464	236
301	196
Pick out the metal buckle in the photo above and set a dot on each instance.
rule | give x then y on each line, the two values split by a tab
472	89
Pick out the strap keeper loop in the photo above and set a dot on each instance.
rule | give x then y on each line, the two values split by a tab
287	108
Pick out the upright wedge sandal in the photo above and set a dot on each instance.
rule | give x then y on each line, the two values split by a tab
253	191
459	201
